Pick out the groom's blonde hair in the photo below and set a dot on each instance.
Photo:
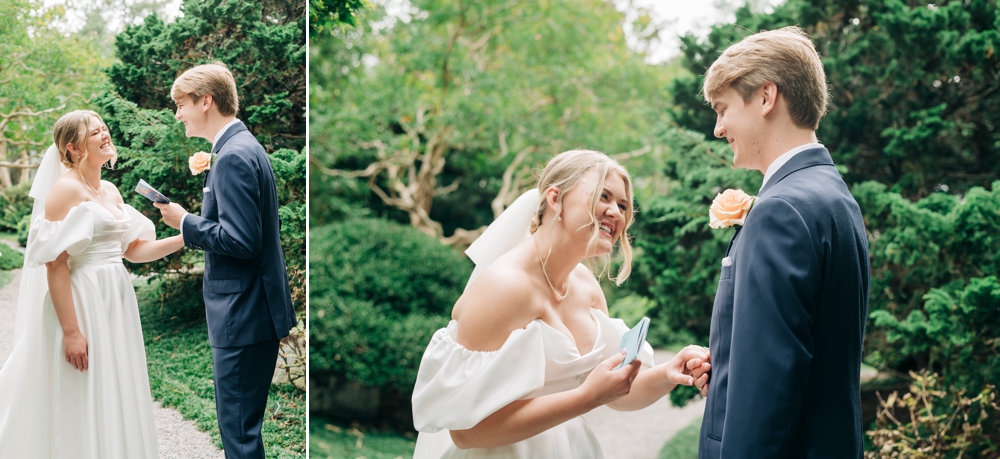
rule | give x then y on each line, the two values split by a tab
202	80
785	57
564	172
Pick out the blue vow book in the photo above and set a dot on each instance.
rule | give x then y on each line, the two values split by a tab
633	340
144	189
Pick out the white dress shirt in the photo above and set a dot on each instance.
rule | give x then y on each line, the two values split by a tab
781	160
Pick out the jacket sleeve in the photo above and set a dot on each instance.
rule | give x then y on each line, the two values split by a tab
237	193
777	278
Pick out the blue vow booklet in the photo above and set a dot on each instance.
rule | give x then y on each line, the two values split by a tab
144	189
633	340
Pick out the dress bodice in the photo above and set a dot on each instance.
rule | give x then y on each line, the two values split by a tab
457	388
89	233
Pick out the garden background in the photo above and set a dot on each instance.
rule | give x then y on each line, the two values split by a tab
120	59
429	116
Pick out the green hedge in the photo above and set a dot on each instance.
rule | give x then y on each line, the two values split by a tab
378	291
10	259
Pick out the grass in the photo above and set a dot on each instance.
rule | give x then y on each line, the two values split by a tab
180	375
684	445
331	440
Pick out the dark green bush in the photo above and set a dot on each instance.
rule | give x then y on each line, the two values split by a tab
22	230
14	205
11	259
388	264
378	291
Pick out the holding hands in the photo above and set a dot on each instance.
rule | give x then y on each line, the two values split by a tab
690	367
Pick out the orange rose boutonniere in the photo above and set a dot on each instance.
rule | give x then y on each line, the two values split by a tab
730	208
200	162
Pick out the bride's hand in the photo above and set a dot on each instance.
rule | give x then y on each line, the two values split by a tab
76	350
691	364
605	384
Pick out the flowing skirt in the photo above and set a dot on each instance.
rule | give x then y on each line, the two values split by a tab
48	409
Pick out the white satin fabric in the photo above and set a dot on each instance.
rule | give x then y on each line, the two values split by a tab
48	409
457	388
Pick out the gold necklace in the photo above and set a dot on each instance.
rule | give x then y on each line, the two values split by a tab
549	281
96	190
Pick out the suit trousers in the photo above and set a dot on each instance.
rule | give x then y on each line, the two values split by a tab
242	379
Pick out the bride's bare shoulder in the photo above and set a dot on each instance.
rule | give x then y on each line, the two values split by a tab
497	302
66	194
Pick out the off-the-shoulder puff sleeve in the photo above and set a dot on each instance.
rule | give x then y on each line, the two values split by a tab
140	227
457	388
47	240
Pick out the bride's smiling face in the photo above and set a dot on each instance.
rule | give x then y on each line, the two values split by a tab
98	142
579	216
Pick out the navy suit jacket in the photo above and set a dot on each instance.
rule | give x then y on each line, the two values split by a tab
247	298
789	322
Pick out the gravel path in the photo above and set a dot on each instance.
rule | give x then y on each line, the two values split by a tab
641	434
178	439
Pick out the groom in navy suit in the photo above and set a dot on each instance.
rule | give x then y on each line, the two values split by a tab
247	299
789	317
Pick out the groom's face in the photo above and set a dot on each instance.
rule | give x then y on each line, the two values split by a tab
192	113
738	123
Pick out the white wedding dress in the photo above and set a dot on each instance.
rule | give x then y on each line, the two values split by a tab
48	409
457	388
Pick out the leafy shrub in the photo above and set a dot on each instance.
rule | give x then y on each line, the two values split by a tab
934	287
378	291
22	230
15	204
942	424
11	259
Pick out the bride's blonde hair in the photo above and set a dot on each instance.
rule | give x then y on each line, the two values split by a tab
73	128
564	172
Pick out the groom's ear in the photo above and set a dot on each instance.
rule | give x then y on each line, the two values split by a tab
769	93
206	102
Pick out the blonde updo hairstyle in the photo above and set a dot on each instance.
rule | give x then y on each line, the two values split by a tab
564	172
73	128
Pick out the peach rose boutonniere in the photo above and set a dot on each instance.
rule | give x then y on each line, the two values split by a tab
730	208
200	162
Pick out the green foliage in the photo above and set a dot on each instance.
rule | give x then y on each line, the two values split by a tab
261	41
474	84
330	440
944	422
42	75
15	205
927	260
11	259
379	290
914	100
22	230
324	15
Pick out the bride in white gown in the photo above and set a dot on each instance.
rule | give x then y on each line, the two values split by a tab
531	347
76	383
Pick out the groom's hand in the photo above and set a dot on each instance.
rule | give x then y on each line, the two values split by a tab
172	214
